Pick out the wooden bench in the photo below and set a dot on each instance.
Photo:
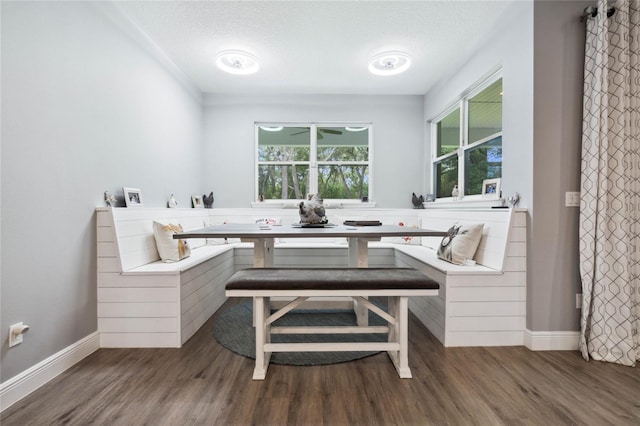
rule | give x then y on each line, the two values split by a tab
358	283
143	302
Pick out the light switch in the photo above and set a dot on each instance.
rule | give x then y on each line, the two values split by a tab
571	199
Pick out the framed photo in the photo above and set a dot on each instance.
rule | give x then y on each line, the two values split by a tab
197	202
132	197
491	188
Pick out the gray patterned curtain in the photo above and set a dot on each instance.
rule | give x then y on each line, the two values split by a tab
610	186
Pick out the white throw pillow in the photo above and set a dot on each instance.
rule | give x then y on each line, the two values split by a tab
170	250
461	243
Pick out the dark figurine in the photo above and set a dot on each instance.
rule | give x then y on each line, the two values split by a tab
417	201
208	201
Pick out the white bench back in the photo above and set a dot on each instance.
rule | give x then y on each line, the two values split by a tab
131	229
492	249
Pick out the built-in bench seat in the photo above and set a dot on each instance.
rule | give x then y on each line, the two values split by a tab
143	302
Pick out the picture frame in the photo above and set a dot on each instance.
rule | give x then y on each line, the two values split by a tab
132	197
491	188
197	202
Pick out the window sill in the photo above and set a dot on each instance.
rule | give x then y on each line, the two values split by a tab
328	204
464	204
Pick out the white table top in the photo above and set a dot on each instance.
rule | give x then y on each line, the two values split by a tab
252	231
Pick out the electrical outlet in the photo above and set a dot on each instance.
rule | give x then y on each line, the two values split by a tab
15	336
571	199
578	300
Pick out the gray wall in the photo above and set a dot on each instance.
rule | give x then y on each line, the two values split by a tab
510	47
84	109
230	140
540	47
554	255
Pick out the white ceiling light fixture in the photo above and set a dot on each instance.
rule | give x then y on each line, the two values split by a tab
271	128
389	63
356	129
237	62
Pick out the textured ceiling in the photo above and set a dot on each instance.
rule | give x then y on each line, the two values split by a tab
316	47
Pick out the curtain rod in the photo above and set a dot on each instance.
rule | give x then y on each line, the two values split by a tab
592	11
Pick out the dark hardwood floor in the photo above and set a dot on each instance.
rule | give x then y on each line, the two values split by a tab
203	383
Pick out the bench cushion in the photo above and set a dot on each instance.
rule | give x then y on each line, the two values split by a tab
330	279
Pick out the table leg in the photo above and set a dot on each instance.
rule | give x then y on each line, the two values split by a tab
359	258
262	252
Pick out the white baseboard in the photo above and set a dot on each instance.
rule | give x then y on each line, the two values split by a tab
551	340
17	387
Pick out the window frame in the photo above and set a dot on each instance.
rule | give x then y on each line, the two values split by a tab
313	162
463	143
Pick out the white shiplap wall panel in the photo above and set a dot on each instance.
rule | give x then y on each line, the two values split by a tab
138	310
139	340
484	309
126	295
484	338
137	325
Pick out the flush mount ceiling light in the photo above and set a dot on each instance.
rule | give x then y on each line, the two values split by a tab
237	62
356	129
389	63
272	128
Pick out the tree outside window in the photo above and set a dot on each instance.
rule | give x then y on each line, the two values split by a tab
294	161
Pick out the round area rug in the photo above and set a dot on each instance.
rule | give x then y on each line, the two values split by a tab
233	329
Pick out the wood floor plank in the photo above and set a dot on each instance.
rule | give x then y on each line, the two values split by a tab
205	384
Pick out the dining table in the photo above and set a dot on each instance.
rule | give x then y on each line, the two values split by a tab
263	236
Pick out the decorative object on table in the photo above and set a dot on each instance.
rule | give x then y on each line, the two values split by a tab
132	197
417	201
491	188
461	243
208	200
455	193
197	202
172	203
407	239
109	199
312	210
260	198
514	199
429	198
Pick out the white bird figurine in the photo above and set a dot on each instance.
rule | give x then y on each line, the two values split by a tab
110	199
454	192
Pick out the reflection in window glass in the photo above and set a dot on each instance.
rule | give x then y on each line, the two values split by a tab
343	181
482	162
446	175
448	133
287	182
485	113
286	144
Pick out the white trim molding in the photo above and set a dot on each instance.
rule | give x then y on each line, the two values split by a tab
18	387
551	340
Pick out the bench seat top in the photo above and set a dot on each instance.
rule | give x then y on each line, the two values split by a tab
330	279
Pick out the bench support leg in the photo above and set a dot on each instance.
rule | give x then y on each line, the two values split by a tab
398	308
263	336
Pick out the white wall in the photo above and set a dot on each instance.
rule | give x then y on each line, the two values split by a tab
511	48
84	109
230	141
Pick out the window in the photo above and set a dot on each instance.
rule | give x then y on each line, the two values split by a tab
467	141
293	161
